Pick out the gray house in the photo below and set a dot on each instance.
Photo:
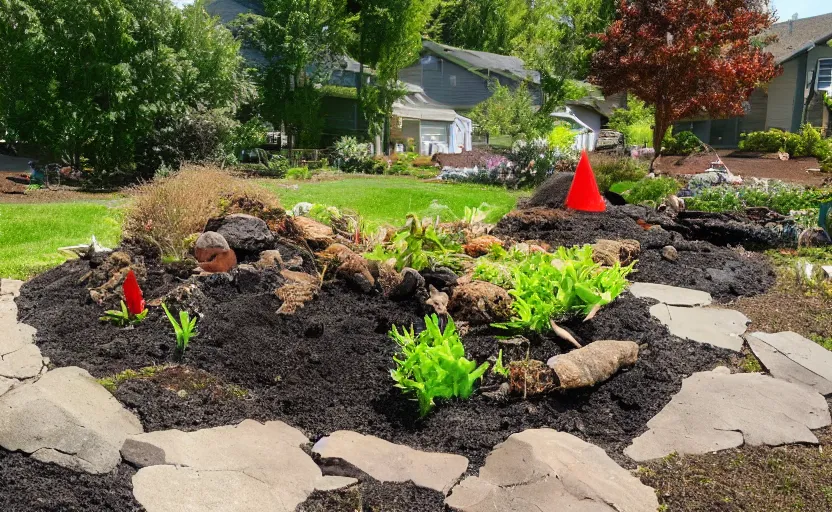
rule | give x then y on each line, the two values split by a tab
790	99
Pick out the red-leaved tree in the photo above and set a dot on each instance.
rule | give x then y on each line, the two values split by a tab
685	57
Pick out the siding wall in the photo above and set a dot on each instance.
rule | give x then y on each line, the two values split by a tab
755	120
816	106
438	82
781	97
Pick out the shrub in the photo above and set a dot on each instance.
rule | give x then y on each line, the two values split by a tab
299	173
352	156
246	136
547	287
562	137
610	170
433	365
652	191
635	122
168	211
781	197
771	141
683	143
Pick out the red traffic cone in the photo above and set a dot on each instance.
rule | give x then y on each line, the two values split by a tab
584	194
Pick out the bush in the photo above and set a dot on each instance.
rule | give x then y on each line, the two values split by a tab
806	143
244	137
635	122
771	141
562	137
652	191
610	170
683	143
299	173
169	211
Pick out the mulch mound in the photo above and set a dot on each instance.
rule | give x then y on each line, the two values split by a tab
326	368
747	165
27	485
723	272
466	160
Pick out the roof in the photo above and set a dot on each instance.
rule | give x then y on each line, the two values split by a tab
479	62
804	34
227	10
416	105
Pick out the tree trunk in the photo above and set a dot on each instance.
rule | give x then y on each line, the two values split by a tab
662	123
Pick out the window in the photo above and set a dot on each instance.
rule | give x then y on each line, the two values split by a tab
453	80
825	75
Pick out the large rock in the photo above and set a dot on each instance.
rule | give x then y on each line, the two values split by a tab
10	287
213	253
248	467
480	303
388	462
549	471
671	295
6	385
244	233
66	418
719	327
793	358
717	411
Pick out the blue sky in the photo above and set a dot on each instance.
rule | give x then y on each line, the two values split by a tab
803	8
183	2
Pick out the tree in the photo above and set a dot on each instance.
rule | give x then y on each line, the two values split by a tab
94	80
389	38
685	57
559	40
510	112
302	41
485	25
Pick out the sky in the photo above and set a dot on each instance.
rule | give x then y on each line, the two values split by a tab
803	8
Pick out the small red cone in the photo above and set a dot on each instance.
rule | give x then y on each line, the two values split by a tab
584	194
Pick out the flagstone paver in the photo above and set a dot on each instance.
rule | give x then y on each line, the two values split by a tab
246	467
66	418
549	471
793	358
20	358
671	295
719	327
717	410
388	462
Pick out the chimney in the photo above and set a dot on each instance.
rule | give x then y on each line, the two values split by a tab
791	23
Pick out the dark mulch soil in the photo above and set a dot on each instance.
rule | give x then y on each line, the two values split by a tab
765	166
467	159
760	479
27	485
327	367
723	272
373	496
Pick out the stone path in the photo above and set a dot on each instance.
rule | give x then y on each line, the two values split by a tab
64	416
550	471
717	410
793	358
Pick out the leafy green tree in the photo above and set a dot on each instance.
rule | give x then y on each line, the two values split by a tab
485	25
389	38
511	113
94	79
302	41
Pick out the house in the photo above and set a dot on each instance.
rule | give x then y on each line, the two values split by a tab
588	115
791	99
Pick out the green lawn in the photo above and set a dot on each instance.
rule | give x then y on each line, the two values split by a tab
30	234
388	199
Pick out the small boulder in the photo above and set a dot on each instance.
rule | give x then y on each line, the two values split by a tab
670	253
270	259
411	282
213	253
611	252
480	303
481	245
316	234
244	233
441	277
349	266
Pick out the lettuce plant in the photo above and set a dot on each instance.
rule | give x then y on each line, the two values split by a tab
433	364
418	246
550	286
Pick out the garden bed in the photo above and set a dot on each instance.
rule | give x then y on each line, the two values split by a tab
327	367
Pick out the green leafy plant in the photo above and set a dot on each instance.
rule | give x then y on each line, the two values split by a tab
418	245
299	173
498	368
652	191
610	170
123	317
683	143
497	267
547	287
185	329
781	197
433	365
